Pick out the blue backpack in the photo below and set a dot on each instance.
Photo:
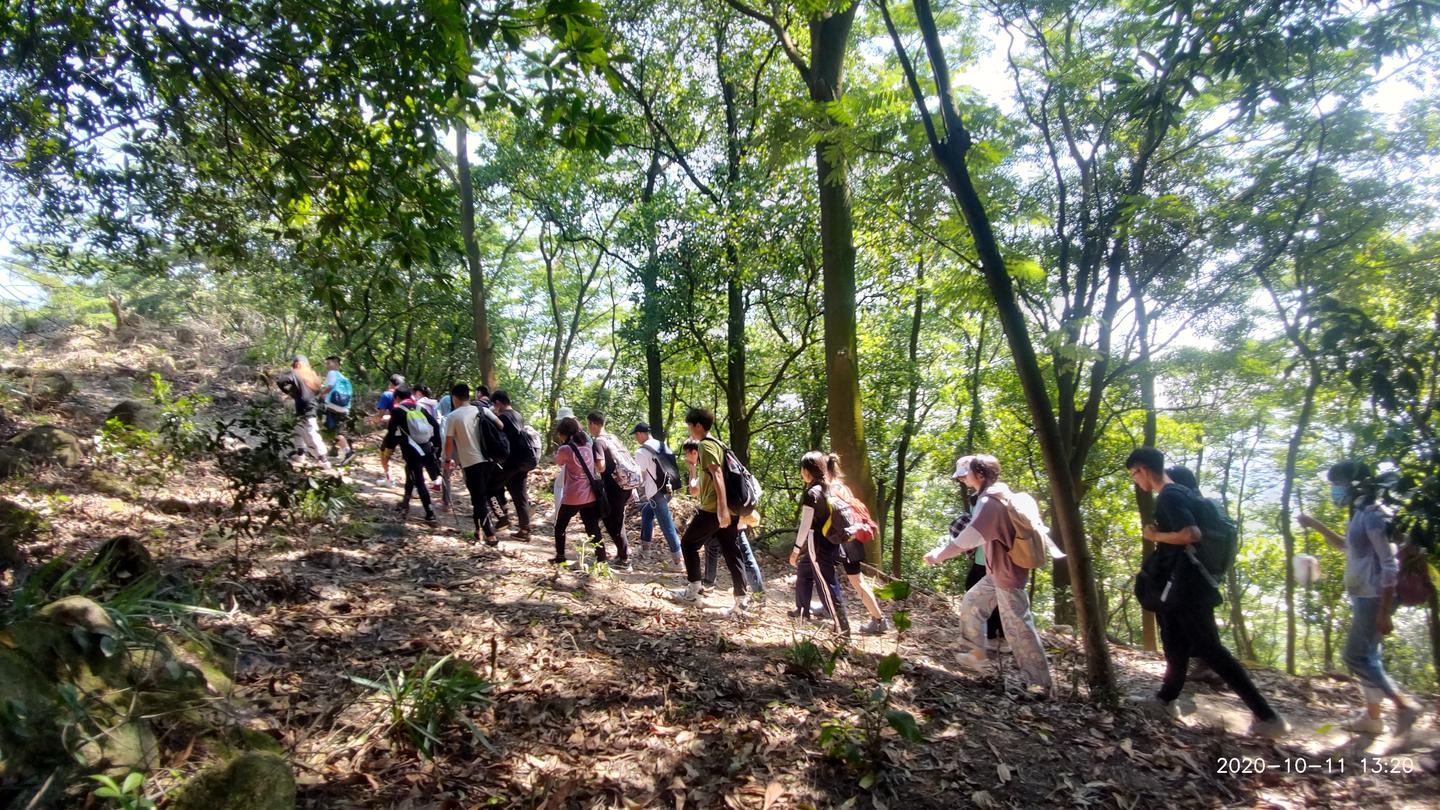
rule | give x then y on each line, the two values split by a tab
340	396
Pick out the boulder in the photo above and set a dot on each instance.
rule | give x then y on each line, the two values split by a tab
252	781
107	483
162	364
42	387
174	506
30	740
186	336
135	413
49	445
123	559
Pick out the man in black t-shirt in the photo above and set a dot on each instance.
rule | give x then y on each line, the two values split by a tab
1188	630
510	476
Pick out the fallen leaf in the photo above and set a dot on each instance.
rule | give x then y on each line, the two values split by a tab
773	792
984	800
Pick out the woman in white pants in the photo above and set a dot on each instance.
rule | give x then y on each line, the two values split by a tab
302	385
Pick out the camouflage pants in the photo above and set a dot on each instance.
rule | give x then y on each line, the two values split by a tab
1015	617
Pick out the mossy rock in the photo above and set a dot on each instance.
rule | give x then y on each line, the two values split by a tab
123	559
252	781
30	716
17	525
47	444
107	483
135	413
43	387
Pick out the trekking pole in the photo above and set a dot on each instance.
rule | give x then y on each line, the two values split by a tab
814	554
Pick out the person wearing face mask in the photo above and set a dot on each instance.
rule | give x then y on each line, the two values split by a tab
1371	571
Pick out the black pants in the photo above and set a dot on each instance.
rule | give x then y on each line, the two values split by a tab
512	480
415	465
590	516
476	479
992	625
702	527
614	519
1190	632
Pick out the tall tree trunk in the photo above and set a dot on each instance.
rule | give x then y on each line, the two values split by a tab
1432	614
484	347
650	308
975	425
897	541
1244	647
1144	499
950	154
1287	498
736	413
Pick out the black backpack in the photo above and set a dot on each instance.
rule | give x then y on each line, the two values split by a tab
491	438
1219	536
518	445
667	470
742	491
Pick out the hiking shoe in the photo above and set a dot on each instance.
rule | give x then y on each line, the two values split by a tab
689	593
622	566
349	454
558	561
431	518
1159	709
522	534
974	660
798	613
492	541
741	606
384	481
1405	718
874	627
1363	723
677	560
1273	729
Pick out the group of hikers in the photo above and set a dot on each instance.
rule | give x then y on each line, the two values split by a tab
598	478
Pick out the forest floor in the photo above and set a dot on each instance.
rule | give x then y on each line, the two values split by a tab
606	693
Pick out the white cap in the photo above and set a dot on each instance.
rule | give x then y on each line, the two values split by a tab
962	467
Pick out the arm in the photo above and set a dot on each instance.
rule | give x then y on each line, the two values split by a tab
1185	537
970	537
722	506
802	535
1332	537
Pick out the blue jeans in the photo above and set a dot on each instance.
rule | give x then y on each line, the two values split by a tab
1362	650
751	569
657	510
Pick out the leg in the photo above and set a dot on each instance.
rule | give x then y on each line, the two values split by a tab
867	594
515	485
753	575
712	558
804	584
730	549
1205	643
562	522
647	522
1362	655
615	524
830	587
975	608
479	505
1014	607
702	527
590	516
667	523
1175	639
416	470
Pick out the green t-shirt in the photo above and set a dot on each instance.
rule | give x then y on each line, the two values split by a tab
710	454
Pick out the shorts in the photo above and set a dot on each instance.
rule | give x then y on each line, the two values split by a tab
852	554
334	421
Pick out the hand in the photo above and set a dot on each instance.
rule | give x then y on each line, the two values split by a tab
931	559
725	518
794	558
1384	625
1149	533
1309	522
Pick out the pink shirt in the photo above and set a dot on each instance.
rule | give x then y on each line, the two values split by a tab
577	484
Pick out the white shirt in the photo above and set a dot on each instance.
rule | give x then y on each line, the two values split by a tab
460	425
331	378
647	457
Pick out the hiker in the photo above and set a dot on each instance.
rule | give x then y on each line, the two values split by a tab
1187	628
994	632
462	447
511	475
302	385
714	517
1371	573
427	403
579	488
620	478
413	430
814	557
336	393
1004	583
754	580
657	467
852	558
383	408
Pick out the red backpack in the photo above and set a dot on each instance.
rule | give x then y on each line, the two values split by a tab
849	520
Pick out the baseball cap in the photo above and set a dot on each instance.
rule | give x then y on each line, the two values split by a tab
643	427
962	467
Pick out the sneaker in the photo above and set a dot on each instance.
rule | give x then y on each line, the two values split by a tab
874	627
385	481
431	518
523	534
492	541
741	607
349	454
1273	729
798	613
502	521
1159	709
1405	718
974	660
677	560
622	566
689	593
558	561
1363	723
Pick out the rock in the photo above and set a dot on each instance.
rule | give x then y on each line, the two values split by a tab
17	525
252	781
50	445
12	461
135	413
31	744
186	336
174	506
42	387
123	559
113	485
162	364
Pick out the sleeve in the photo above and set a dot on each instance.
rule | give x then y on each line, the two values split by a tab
489	413
392	431
1172	511
802	535
1380	540
434	423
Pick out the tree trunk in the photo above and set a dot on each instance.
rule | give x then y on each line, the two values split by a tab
975	425
1144	499
735	371
650	309
950	154
897	542
484	347
1432	613
1287	497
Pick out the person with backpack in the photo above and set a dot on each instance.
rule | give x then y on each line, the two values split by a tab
384	407
302	385
523	457
463	447
1372	572
620	477
337	394
754	579
994	632
413	430
852	555
1175	584
659	476
814	557
994	527
580	490
714	517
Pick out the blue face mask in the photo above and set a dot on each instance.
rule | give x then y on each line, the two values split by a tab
1339	494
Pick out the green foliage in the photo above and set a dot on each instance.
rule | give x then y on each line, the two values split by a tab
806	659
127	795
420	706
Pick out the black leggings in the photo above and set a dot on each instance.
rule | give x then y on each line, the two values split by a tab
702	527
1190	632
590	516
512	480
476	476
415	479
614	519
